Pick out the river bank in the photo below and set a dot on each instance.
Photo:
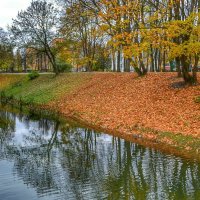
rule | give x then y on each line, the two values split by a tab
156	108
64	160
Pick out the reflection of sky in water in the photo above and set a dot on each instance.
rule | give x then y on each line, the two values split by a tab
22	131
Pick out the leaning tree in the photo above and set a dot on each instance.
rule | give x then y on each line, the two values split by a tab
36	28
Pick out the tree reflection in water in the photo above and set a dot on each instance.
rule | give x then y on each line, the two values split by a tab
66	161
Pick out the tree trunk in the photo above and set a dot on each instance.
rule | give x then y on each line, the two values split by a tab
118	61
195	69
136	68
114	61
159	61
142	66
185	70
164	61
89	67
52	61
156	60
178	66
126	65
152	60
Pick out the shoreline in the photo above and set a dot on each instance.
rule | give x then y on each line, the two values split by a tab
170	142
159	145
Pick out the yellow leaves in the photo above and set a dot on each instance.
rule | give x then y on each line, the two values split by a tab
188	27
193	48
135	49
134	28
105	27
182	37
175	51
177	28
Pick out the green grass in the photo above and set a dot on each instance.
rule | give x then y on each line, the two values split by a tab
179	140
43	89
182	141
8	80
197	99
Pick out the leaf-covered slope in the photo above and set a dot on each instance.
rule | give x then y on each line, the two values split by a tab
124	102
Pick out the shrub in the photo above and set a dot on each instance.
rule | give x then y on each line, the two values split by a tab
63	66
33	75
2	94
197	99
17	84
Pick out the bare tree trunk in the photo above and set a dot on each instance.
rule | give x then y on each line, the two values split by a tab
113	60
118	60
156	60
126	65
159	61
89	66
164	61
45	62
152	69
52	60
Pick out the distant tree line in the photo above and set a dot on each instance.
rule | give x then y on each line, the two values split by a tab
117	35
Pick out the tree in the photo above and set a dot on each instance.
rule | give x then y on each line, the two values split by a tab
147	34
80	26
18	61
179	35
36	28
188	47
6	52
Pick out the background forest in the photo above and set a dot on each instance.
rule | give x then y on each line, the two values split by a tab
100	35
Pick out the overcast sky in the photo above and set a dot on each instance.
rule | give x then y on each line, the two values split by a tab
9	10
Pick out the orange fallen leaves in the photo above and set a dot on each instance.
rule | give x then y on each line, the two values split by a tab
118	101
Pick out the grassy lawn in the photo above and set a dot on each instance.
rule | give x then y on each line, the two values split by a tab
8	80
43	89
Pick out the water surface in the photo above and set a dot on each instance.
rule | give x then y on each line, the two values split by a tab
46	159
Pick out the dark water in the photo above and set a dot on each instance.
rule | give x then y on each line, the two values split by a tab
46	159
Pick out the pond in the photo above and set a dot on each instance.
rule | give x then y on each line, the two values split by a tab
42	158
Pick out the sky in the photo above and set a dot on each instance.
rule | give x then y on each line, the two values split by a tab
9	10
